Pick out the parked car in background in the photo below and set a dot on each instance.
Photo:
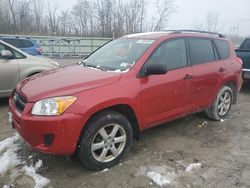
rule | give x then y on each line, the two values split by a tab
128	85
16	65
243	52
28	45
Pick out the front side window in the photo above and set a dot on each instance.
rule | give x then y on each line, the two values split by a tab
171	53
201	51
2	47
14	42
118	55
16	55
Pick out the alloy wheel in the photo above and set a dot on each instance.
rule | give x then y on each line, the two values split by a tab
108	143
224	103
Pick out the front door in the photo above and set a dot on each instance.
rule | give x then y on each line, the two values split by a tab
167	96
9	73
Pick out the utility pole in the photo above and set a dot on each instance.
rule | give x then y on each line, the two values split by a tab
234	30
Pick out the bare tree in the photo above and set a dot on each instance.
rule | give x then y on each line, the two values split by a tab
92	13
38	11
119	17
81	12
24	16
105	18
211	22
142	14
64	23
53	19
4	18
134	15
164	9
11	6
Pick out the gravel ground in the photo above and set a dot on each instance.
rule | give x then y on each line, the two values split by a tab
222	149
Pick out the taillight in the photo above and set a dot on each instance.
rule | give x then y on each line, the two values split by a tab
239	60
39	50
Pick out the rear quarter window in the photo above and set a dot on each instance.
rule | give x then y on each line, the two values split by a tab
27	44
223	48
245	45
201	51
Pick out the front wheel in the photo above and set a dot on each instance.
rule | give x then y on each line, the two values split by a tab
222	105
105	140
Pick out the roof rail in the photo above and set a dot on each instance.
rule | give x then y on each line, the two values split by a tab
15	37
194	31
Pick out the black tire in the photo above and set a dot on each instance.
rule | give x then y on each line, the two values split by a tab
92	132
214	112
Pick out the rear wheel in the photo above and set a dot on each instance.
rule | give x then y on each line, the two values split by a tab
106	139
222	105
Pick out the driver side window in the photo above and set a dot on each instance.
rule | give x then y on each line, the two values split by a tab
171	53
16	55
2	47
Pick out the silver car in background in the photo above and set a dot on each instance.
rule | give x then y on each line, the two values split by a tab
16	65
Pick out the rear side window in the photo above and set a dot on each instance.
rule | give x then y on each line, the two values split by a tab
14	42
26	44
35	43
201	51
223	48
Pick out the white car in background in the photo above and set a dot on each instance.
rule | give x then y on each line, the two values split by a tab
16	65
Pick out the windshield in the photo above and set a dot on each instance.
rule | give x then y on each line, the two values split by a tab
118	55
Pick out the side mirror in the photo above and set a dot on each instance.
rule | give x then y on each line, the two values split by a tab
155	69
7	54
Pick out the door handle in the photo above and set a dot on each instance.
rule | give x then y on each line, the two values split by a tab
188	77
222	69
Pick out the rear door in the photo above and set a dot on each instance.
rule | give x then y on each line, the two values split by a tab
9	72
208	69
167	96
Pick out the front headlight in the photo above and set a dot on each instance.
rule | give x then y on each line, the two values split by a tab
52	106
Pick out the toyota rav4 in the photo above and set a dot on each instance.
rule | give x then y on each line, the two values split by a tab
133	83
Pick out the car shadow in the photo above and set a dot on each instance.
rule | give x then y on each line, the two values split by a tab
4	102
245	87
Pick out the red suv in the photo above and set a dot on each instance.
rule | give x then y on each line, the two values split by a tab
130	84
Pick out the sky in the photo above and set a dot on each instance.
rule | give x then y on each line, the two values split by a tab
233	15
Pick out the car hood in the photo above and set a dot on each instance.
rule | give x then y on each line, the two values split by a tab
64	81
43	60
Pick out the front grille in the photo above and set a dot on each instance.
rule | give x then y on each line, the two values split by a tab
19	101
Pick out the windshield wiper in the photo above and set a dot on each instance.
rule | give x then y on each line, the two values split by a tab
93	66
